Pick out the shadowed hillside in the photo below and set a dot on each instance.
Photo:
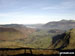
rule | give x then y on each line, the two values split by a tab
64	41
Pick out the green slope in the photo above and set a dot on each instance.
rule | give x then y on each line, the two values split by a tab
64	41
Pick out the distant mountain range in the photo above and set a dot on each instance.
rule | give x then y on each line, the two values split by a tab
62	25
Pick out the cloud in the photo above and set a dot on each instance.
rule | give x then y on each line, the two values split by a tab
67	4
32	11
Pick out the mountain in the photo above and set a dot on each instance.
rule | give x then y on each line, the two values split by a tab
10	34
64	41
62	25
71	44
14	31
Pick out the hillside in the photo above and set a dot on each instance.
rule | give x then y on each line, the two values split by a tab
14	32
50	38
37	42
10	34
64	41
63	24
19	27
71	44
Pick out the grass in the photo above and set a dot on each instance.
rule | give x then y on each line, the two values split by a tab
39	39
10	35
27	51
72	39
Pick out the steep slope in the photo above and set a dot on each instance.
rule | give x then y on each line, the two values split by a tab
63	24
71	44
64	41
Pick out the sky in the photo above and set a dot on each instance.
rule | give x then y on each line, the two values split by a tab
35	11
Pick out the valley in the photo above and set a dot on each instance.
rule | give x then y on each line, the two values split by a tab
44	37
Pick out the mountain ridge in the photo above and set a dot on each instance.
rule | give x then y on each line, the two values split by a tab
64	41
63	24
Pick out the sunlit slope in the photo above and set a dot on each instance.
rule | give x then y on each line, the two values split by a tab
10	34
14	32
24	30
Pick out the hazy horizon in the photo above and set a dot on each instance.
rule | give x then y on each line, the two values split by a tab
36	11
33	23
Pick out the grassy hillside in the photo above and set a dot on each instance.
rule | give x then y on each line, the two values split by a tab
48	39
54	38
37	39
64	41
71	44
10	34
41	38
24	30
14	32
